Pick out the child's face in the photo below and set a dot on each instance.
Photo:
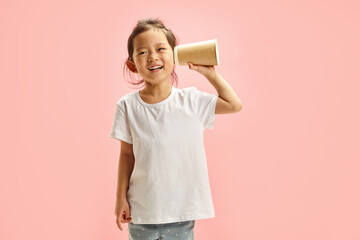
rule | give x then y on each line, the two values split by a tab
152	49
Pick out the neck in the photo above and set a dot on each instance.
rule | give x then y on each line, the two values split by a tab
157	91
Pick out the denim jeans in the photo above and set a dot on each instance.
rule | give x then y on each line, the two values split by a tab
169	231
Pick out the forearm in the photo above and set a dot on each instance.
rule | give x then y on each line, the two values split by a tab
126	166
224	90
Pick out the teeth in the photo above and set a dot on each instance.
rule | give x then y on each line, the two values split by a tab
152	68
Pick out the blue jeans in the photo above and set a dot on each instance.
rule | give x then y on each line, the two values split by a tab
169	231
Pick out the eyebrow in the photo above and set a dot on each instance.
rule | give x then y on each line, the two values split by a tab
161	43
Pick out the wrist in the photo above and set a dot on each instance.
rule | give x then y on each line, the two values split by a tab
121	196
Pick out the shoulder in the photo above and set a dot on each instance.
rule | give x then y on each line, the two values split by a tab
186	94
126	100
187	91
194	92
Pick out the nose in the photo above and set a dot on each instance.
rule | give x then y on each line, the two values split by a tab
152	56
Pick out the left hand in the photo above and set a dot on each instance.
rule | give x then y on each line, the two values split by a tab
207	71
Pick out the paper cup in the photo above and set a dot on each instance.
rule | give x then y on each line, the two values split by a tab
200	53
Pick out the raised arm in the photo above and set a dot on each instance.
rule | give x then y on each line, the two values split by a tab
228	101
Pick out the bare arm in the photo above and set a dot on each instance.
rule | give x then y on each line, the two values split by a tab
228	101
126	166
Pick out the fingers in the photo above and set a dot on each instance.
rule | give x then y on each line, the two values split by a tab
201	68
123	219
192	67
118	220
126	217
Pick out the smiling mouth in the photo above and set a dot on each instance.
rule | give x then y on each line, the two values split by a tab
155	68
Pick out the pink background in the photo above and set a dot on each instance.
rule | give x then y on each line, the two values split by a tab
286	167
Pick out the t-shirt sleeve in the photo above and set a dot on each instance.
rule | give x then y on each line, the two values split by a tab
121	128
204	104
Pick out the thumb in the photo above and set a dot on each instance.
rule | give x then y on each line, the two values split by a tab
192	67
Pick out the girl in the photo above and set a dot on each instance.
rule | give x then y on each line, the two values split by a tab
162	178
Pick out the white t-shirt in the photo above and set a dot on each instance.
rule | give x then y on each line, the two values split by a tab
169	182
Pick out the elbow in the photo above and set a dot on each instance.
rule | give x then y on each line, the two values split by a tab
238	107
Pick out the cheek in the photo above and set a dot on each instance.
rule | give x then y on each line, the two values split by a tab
170	63
170	59
140	63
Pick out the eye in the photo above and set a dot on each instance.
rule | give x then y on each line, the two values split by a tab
142	53
161	49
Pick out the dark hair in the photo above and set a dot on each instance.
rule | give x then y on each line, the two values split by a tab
142	26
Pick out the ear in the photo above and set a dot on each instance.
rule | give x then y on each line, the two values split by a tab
130	64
